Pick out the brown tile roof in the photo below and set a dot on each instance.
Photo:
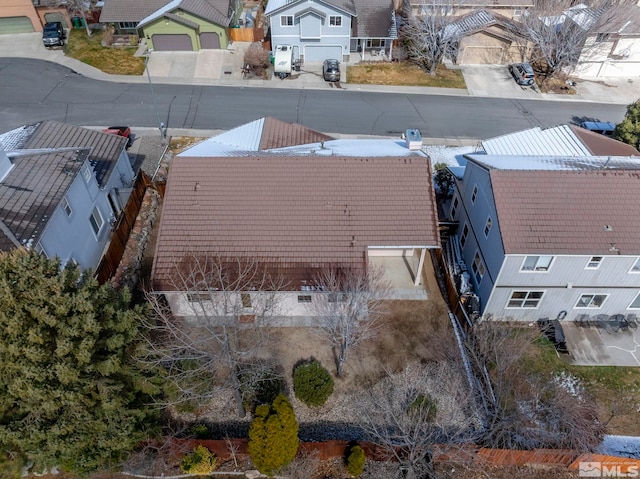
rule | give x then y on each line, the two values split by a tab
565	212
129	10
374	19
280	134
600	145
32	191
296	212
105	148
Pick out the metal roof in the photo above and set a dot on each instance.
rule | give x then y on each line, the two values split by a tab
565	163
558	141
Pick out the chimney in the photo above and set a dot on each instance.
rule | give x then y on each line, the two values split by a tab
5	163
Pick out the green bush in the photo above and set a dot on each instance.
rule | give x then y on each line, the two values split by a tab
273	436
312	383
200	461
199	431
354	459
424	406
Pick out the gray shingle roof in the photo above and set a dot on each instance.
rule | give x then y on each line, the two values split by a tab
376	19
300	213
129	10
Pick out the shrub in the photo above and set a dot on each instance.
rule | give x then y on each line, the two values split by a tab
199	431
354	459
312	383
200	461
273	436
259	385
424	406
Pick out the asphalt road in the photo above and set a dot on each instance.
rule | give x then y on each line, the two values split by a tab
34	90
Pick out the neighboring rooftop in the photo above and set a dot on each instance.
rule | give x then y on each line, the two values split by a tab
557	163
568	212
129	11
294	213
212	10
262	134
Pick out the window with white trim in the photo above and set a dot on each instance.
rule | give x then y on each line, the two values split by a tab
474	194
286	20
593	301
66	207
337	297
594	262
127	25
335	21
454	208
376	43
536	263
304	298
525	299
636	267
96	220
465	233
246	300
517	13
635	304
487	226
198	297
478	267
86	173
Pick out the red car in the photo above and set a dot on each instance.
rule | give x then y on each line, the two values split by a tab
123	131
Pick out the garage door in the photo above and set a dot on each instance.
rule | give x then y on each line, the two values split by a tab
482	56
16	25
321	53
56	17
209	40
172	43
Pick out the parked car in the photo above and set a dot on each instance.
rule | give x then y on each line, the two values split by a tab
522	73
53	34
123	131
603	127
331	70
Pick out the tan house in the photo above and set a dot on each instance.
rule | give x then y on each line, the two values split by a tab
18	16
511	9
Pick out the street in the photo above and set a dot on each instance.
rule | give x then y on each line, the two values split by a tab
34	90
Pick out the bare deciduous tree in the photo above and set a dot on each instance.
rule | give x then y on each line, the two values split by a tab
558	29
433	34
524	409
229	304
351	309
257	58
407	413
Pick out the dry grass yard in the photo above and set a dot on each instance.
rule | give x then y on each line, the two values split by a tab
403	74
89	50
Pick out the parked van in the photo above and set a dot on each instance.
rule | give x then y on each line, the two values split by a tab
603	127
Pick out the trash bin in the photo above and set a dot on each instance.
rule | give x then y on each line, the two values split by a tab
76	22
82	24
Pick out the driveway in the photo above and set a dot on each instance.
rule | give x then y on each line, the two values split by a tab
494	81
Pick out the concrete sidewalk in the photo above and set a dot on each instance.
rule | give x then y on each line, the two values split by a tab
223	68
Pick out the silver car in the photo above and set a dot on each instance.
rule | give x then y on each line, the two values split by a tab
331	70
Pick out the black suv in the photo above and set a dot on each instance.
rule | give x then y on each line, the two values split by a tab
53	34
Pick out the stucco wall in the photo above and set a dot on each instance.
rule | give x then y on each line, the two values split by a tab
20	8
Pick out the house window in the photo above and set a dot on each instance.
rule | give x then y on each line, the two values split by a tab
536	263
636	267
594	262
517	13
334	297
246	300
286	21
454	208
478	267
335	21
86	173
525	299
635	304
465	233
96	220
197	297
304	298
127	25
474	194
602	37
487	227
591	301
66	206
376	42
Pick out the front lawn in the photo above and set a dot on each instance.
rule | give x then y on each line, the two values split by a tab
89	50
403	74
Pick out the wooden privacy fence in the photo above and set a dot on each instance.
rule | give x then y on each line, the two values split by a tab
122	229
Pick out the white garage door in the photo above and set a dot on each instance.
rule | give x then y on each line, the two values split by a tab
172	43
16	25
319	53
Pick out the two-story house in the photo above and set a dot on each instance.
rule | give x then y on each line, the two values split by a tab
548	235
62	187
322	29
301	203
